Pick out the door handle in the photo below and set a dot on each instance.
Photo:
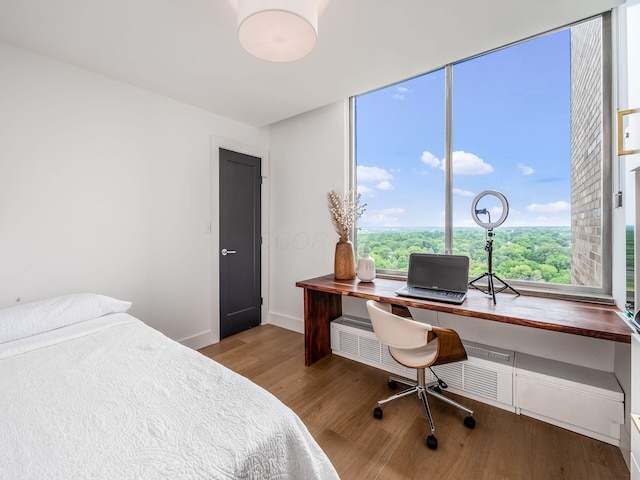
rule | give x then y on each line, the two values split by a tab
225	252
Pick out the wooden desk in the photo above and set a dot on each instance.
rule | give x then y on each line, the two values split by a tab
323	303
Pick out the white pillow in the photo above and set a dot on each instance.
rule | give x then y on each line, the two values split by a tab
32	318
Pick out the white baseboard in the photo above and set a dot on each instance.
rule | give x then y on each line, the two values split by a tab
625	443
572	427
286	321
198	341
205	339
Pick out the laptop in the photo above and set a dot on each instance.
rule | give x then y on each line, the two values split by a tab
442	278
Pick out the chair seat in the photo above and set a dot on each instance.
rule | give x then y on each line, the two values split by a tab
420	357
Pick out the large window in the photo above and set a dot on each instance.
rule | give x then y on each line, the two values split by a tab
526	120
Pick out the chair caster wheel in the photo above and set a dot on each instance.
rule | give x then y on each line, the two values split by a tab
442	384
436	389
432	442
470	422
377	413
392	384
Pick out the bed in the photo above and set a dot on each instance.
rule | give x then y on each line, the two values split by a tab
89	391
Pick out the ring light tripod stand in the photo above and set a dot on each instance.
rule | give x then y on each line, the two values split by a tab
491	277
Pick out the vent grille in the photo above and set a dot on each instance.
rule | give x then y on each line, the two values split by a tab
359	323
478	352
349	343
481	381
451	374
475	377
370	349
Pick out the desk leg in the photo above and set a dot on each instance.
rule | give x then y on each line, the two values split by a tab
320	308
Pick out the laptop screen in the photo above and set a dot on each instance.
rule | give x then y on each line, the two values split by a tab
441	272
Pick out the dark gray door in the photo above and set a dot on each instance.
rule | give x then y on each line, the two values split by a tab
240	240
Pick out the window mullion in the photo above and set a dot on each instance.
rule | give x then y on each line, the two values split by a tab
448	158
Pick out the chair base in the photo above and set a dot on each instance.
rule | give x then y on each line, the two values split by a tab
423	389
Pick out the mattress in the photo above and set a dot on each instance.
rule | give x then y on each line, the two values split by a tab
111	398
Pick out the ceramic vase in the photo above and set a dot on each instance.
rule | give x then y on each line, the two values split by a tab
366	268
344	266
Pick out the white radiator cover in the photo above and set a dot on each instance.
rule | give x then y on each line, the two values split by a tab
586	401
486	376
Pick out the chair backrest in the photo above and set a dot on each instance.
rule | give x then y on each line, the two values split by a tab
394	330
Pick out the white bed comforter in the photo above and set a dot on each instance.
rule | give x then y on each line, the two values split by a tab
114	399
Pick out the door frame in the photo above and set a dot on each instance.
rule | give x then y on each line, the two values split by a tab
214	225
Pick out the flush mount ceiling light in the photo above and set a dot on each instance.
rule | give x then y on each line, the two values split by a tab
278	30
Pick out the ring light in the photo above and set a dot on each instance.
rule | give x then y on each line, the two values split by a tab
475	211
490	288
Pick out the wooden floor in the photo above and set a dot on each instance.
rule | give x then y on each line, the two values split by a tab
335	398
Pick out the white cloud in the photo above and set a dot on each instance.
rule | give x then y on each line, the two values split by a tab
387	217
464	163
463	193
526	170
430	159
497	210
393	211
538	221
400	93
380	177
385	185
380	220
372	174
467	223
365	191
551	207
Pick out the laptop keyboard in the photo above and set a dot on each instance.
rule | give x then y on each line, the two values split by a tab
435	294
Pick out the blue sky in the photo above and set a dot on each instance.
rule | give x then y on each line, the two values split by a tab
511	133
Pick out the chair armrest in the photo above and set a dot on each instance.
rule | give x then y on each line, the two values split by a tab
450	347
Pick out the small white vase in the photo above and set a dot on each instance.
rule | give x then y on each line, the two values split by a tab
366	268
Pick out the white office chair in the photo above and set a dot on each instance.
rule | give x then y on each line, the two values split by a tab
417	345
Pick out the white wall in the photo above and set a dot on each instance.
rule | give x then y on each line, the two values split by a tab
309	157
105	187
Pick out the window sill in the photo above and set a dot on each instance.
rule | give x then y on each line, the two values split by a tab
537	291
602	299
